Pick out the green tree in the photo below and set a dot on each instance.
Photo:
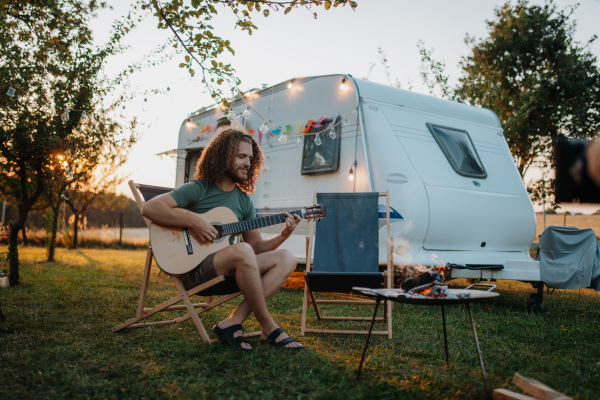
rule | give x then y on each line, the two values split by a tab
536	78
190	23
53	102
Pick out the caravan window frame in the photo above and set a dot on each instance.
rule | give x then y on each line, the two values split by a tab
331	158
449	144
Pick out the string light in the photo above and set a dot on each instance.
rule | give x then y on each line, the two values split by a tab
283	137
145	105
189	123
343	85
351	174
11	91
330	129
318	140
246	114
65	116
83	117
231	114
290	84
264	128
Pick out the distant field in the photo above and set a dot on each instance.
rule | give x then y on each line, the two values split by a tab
577	221
131	235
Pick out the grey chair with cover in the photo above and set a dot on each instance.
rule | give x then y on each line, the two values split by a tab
569	258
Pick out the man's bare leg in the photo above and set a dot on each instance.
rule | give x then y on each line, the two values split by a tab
258	277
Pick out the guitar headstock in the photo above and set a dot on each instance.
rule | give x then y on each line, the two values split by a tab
315	212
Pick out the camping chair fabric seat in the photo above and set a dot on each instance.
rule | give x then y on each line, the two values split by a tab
228	286
342	282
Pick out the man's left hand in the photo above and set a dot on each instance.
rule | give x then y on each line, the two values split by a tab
291	221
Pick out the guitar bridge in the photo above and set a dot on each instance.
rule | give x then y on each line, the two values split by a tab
187	241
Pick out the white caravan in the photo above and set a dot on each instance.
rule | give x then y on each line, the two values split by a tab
455	193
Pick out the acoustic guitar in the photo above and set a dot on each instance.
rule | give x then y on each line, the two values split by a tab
177	252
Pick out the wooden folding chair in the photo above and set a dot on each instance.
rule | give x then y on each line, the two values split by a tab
220	285
346	255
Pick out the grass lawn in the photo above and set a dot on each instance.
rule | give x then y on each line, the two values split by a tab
56	343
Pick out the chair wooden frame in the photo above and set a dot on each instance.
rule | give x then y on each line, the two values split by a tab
310	298
194	309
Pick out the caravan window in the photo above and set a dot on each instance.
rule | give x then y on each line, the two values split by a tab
190	164
325	156
458	148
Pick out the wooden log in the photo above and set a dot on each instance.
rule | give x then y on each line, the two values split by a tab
503	394
537	389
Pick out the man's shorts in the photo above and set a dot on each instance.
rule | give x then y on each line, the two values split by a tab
204	272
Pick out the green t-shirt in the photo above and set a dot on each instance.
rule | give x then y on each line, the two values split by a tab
200	196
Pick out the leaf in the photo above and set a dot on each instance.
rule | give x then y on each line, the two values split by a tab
182	65
287	10
327	4
187	58
214	63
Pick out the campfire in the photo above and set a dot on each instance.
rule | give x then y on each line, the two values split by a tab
429	284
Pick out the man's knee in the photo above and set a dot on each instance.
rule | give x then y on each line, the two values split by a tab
288	259
238	257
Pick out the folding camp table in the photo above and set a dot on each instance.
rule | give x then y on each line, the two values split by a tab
463	296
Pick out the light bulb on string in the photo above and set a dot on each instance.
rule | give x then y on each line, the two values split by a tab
246	114
145	105
65	116
332	134
352	171
343	86
264	128
123	112
231	114
300	141
318	140
345	123
11	91
83	117
283	137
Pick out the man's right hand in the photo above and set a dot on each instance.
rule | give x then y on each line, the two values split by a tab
201	230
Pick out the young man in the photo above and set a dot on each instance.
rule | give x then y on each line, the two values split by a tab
225	174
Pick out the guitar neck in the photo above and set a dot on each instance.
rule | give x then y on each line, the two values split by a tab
235	228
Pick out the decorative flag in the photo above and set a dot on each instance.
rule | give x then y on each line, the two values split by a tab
299	126
308	126
321	120
334	118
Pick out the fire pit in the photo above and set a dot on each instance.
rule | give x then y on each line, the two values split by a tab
430	290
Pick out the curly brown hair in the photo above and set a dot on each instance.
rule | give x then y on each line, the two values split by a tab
220	153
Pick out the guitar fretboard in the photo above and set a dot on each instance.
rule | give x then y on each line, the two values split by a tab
244	226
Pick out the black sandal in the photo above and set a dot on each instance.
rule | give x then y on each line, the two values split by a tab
275	334
226	336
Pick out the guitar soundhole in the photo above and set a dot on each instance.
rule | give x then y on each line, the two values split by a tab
219	229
